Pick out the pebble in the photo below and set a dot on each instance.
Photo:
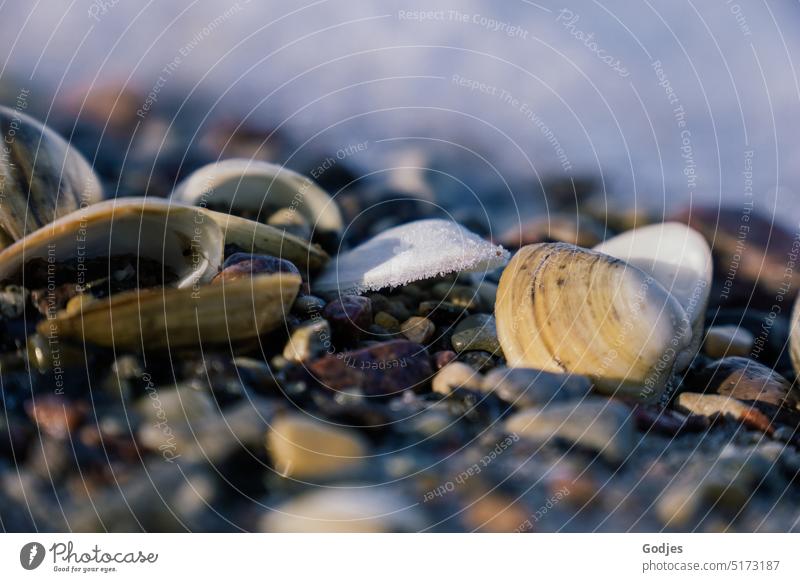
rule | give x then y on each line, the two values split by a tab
387	322
601	425
461	296
440	311
526	387
365	509
242	265
12	301
418	329
349	316
305	448
308	305
175	405
456	375
728	340
56	415
441	359
382	369
308	342
715	404
749	381
495	513
476	332
481	361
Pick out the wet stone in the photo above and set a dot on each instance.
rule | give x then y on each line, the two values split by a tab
387	322
481	361
456	375
308	305
748	380
242	265
597	424
728	340
305	448
441	359
308	342
418	329
356	509
476	332
461	296
383	369
525	387
13	300
349	317
714	405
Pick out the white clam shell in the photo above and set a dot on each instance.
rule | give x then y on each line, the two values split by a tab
256	186
410	252
41	176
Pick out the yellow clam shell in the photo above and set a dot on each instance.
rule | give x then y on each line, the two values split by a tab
561	308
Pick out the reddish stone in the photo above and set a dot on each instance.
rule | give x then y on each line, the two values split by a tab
668	422
349	317
55	415
384	369
441	359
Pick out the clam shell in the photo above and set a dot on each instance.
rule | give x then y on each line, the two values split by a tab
676	256
161	318
41	176
561	308
180	237
255	186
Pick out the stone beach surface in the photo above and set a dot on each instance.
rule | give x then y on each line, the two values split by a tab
393	409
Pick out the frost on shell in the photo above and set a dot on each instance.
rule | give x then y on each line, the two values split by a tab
410	252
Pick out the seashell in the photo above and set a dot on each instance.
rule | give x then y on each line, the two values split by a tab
676	256
561	308
160	318
410	252
178	237
41	176
252	187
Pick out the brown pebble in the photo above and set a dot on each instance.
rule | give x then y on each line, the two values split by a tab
418	329
349	317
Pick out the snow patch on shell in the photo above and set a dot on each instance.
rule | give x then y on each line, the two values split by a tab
410	252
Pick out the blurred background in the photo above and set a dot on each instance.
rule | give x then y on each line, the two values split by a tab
476	105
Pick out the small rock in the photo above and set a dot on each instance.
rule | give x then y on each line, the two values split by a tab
440	311
304	448
749	381
12	301
241	265
354	510
441	359
476	332
601	425
174	405
349	316
387	322
55	415
308	342
418	329
382	369
728	340
668	422
715	404
456	375
495	513
308	305
481	361
525	387
461	296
